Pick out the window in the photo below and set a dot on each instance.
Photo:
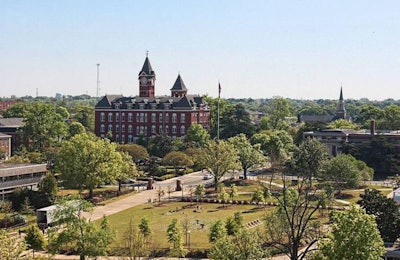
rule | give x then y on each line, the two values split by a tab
160	117
122	138
174	118
141	117
130	139
182	118
137	130
153	129
153	117
137	118
123	117
123	128
160	129
129	128
183	129
167	118
117	128
130	117
145	117
110	117
110	128
102	128
102	117
116	117
174	129
166	129
117	138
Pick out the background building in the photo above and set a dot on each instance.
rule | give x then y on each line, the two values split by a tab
127	119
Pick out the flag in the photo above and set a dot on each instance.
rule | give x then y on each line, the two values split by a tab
219	89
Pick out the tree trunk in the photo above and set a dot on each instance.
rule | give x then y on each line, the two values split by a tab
245	173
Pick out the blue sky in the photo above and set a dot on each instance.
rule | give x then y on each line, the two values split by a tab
259	49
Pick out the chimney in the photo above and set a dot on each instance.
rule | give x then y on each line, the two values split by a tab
372	127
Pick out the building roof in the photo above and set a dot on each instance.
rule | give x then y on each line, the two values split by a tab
5	135
11	122
158	102
179	85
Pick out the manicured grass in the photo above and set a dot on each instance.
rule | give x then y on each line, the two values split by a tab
353	196
160	216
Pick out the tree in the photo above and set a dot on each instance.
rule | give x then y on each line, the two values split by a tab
174	236
49	186
233	191
35	239
177	160
78	233
234	224
257	197
309	159
160	145
218	158
197	136
160	194
354	235
292	224
144	227
11	247
44	124
18	110
243	246
85	116
200	191
342	172
277	145
342	124
76	128
133	242
235	120
7	210
87	161
386	212
279	109
217	231
136	151
248	154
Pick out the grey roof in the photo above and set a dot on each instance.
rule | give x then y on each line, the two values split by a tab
147	68
179	85
188	101
11	122
316	118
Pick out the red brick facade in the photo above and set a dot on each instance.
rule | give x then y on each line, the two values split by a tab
129	118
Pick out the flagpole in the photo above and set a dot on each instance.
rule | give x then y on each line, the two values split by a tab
219	97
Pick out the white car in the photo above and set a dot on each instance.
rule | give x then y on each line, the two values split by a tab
207	176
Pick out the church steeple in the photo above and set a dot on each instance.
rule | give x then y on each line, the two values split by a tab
341	110
147	79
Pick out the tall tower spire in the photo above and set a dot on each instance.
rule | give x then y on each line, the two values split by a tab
341	110
147	78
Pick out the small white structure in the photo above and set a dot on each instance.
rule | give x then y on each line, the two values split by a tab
396	195
45	216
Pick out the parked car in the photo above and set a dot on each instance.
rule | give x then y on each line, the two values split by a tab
207	176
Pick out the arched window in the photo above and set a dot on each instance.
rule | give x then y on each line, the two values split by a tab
183	129
174	129
102	128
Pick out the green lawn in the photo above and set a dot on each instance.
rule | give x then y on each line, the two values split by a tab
160	217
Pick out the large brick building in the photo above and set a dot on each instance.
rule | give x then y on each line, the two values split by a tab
129	118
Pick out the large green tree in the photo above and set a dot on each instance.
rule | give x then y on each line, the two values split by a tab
11	247
136	151
178	160
354	235
84	115
218	158
342	172
86	161
174	236
196	136
309	159
234	121
278	110
386	212
35	239
249	155
44	124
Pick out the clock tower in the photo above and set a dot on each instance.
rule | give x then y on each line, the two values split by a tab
147	79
